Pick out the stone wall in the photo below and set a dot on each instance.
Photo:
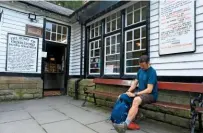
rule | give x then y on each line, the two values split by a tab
17	88
172	116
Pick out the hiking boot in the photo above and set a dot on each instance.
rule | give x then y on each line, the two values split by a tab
120	128
133	126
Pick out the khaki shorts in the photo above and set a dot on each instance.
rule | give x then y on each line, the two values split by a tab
147	99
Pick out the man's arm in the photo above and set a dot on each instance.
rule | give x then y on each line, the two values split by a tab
133	85
148	90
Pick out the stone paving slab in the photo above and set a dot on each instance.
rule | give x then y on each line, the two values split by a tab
84	116
13	116
48	116
37	108
24	126
67	126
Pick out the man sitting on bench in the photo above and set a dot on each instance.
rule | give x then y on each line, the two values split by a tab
146	93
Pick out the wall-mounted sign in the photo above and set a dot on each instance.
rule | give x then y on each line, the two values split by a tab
109	69
22	53
34	31
176	26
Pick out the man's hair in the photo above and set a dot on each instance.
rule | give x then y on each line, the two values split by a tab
144	58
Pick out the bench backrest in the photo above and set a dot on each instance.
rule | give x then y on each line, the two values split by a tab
176	86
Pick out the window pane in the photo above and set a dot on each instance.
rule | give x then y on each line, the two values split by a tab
99	43
107	50
118	14
137	45
118	49
132	62
118	23
129	46
136	54
92	45
59	37
53	28
113	48
144	32
96	24
100	30
132	69
108	19
108	27
108	41
97	53
113	40
130	19
137	6
129	35
48	35
64	38
96	32
53	36
59	29
137	33
144	3
130	9
94	70
114	63
92	33
64	30
118	38
113	25
48	26
92	53
113	57
114	16
137	16
96	44
144	13
144	44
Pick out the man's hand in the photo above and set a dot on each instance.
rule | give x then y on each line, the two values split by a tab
130	94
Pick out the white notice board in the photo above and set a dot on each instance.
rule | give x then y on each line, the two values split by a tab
176	26
22	53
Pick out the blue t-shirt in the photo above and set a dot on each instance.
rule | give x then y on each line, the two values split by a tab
145	77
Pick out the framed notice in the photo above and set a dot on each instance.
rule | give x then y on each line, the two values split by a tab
176	26
22	53
34	31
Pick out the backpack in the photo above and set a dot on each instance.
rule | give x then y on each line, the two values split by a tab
121	108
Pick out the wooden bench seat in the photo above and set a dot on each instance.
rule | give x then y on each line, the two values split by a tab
193	106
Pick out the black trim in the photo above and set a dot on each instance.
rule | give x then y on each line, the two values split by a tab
93	76
193	38
112	33
22	36
20	74
185	79
81	51
135	25
111	76
57	23
96	38
148	30
122	45
74	76
85	52
102	48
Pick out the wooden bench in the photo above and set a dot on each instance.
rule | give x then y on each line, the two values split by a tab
195	106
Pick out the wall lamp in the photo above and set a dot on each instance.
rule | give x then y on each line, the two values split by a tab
32	17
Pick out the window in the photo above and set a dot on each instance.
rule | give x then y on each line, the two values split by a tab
113	22
136	13
56	32
95	30
112	54
94	57
135	45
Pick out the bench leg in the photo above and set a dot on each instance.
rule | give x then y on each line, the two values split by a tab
85	100
200	121
94	99
193	121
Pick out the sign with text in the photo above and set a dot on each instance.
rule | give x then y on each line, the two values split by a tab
34	31
176	26
22	53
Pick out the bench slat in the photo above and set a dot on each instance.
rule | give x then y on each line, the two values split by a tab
103	93
112	82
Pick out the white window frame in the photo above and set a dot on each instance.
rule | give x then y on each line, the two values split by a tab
111	20
94	56
94	27
116	53
125	56
133	11
62	26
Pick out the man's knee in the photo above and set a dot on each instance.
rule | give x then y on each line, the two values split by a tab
137	101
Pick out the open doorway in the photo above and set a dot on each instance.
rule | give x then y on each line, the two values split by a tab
55	69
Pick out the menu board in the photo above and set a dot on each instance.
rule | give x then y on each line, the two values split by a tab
176	26
22	53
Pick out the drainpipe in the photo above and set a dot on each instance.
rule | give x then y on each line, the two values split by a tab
81	64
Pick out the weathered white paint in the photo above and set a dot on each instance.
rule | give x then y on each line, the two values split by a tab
186	64
75	49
